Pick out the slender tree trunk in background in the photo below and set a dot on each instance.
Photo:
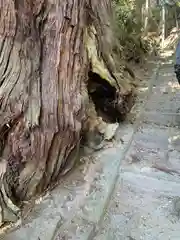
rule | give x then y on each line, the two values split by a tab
163	22
176	18
139	10
146	20
45	59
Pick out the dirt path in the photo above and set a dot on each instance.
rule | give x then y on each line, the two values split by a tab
146	200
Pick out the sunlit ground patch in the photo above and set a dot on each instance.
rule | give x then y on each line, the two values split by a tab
173	138
174	86
167	54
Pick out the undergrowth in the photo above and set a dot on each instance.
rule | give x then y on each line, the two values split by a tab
129	29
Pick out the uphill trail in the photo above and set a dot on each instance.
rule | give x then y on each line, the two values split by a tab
145	203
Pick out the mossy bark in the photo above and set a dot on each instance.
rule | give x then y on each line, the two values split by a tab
45	58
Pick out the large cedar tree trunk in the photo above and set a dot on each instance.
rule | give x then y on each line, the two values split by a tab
47	49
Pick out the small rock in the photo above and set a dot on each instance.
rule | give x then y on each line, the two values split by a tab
110	131
177	206
165	90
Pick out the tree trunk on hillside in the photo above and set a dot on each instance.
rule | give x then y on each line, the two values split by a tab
47	49
147	14
163	24
176	18
139	10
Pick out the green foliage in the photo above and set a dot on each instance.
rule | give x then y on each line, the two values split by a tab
130	28
126	18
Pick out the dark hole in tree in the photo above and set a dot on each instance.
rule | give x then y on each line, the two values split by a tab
104	96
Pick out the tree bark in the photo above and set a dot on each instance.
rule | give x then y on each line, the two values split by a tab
47	49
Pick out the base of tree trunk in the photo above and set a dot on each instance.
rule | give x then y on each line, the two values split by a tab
60	81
